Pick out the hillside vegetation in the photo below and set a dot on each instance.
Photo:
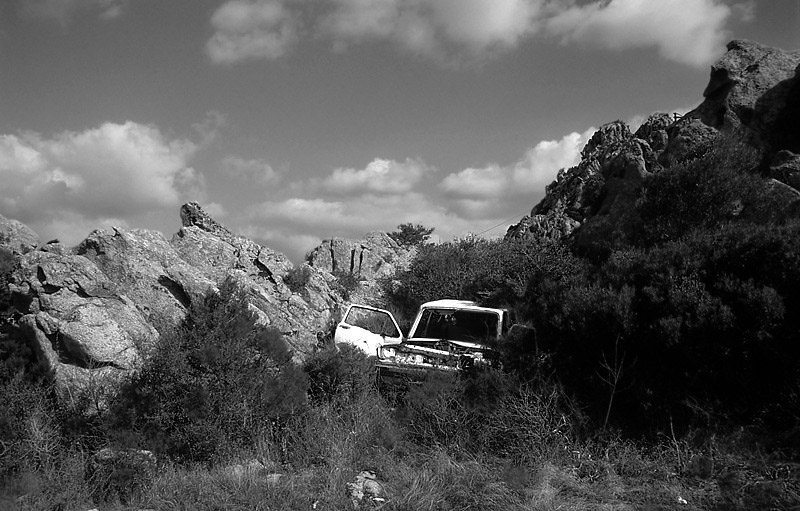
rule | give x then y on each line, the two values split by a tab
660	279
663	371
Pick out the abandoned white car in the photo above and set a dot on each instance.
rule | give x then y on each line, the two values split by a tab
445	335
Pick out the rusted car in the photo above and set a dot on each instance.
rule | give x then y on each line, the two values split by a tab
446	335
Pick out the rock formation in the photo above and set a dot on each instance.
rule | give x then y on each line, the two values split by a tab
750	115
368	260
92	312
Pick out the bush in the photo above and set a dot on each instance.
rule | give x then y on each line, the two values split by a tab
340	373
297	278
410	235
212	387
495	272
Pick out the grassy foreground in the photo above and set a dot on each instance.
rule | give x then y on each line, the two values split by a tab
421	463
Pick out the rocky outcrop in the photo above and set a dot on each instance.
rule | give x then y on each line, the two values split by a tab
16	236
750	118
368	260
757	88
93	312
613	164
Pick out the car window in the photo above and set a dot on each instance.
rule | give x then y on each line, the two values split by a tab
377	322
457	325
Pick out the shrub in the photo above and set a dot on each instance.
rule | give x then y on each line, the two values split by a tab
410	235
297	278
339	373
495	272
212	386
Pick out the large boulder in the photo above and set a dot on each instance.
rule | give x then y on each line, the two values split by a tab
82	328
753	94
16	236
369	260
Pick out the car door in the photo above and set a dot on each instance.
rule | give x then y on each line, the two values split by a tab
367	328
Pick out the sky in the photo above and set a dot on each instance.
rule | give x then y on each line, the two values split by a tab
294	121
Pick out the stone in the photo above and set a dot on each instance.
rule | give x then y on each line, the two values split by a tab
366	486
785	167
377	256
16	236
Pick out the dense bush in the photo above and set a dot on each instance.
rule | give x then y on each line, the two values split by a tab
491	411
494	272
213	386
691	329
297	278
341	373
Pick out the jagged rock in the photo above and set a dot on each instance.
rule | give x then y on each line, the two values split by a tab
149	271
689	138
259	271
92	313
370	259
757	88
786	168
16	236
750	118
613	163
81	327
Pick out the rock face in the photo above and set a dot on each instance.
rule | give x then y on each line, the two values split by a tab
16	236
94	311
368	260
751	109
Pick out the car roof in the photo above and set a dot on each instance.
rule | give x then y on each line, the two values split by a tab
458	304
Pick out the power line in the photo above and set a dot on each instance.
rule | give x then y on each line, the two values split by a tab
518	215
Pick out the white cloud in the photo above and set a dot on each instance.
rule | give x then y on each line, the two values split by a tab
256	171
687	31
527	177
251	29
385	193
379	176
296	225
691	32
114	171
431	27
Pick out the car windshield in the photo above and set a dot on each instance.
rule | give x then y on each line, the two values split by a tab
457	325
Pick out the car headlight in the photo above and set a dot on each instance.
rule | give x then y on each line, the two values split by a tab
387	353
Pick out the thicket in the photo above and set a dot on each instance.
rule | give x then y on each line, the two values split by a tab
213	385
685	320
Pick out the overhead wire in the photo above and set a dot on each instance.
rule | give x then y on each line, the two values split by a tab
518	215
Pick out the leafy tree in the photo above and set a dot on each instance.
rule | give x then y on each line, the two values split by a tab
410	235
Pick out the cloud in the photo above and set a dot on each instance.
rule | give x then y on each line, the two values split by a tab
686	31
379	176
114	171
691	32
473	189
432	28
385	193
63	10
251	29
256	171
296	225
